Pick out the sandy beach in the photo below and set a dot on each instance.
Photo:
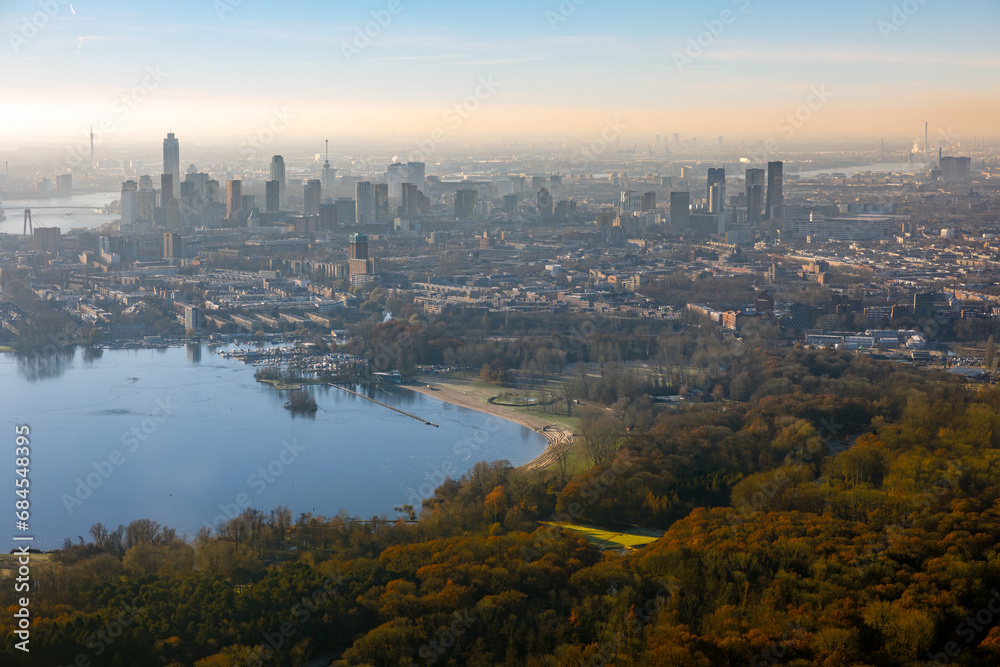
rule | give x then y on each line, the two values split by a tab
559	438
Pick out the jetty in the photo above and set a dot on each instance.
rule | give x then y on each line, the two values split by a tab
402	412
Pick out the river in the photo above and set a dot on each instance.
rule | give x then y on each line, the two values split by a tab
65	212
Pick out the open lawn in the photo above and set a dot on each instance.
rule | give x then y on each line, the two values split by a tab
606	539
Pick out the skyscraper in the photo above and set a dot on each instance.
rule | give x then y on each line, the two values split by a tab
312	196
234	197
774	209
466	202
365	197
648	202
631	202
755	196
416	173
272	197
717	190
278	174
347	213
130	202
546	204
173	245
166	189
680	210
395	176
172	163
381	202
411	201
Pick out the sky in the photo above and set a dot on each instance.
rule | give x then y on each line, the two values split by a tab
245	71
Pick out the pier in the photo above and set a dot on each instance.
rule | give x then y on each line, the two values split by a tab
419	419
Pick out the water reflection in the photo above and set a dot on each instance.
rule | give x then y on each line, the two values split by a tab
194	353
48	364
92	354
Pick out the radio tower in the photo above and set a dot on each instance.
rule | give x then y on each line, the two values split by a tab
326	167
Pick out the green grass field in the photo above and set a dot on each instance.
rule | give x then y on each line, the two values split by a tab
606	539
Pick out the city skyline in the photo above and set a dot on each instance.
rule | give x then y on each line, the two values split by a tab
220	72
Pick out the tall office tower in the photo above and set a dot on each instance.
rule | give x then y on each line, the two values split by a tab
631	202
312	196
359	246
358	257
146	182
130	202
272	197
234	197
146	204
172	162
278	174
173	246
347	213
212	191
510	203
328	217
648	202
381	193
166	189
955	168
416	173
774	209
680	210
537	183
192	318
546	204
466	203
923	304
755	196
364	195
91	145
200	182
411	201
717	190
556	185
395	176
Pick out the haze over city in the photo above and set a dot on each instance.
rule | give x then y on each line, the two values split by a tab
730	68
553	333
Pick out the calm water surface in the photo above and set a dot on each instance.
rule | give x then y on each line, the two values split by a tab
185	437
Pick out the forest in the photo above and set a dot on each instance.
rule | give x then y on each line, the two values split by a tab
825	509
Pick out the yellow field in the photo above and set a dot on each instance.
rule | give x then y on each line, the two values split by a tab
606	539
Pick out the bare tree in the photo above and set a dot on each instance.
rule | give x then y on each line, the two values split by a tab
601	437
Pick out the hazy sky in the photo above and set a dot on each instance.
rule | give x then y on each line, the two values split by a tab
226	66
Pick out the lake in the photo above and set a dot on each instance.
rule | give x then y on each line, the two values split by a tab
187	438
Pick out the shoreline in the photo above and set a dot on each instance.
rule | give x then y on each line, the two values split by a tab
559	439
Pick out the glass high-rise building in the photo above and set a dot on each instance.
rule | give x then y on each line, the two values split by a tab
717	190
278	174
775	191
755	196
172	163
365	198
